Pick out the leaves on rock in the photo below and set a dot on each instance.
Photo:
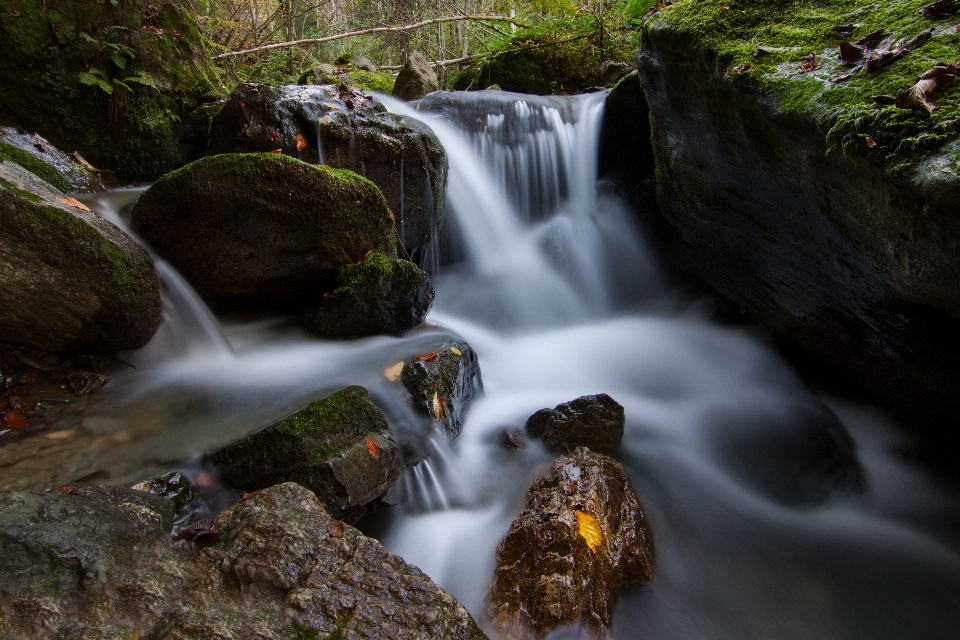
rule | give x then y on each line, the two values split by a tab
200	533
915	97
424	357
941	9
439	406
456	351
335	529
301	142
373	448
73	202
590	530
393	371
246	110
810	64
761	52
277	151
871	143
850	53
275	137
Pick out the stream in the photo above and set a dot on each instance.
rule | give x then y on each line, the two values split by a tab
553	284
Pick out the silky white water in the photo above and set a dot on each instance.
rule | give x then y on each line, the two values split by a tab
554	288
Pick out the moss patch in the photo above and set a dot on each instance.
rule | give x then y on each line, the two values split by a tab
726	34
371	80
34	165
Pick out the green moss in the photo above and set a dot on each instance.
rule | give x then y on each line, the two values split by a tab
791	30
355	276
372	80
296	632
34	165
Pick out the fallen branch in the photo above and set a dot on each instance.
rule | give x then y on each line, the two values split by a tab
362	32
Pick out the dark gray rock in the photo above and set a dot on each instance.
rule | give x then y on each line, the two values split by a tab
513	439
378	295
69	280
400	155
442	383
596	422
625	156
252	229
69	173
612	72
581	535
339	447
416	79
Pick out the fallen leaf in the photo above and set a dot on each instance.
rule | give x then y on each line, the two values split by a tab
73	202
941	9
915	97
349	103
811	64
761	53
846	75
393	371
884	99
246	110
850	53
335	529
15	402
590	530
301	142
274	137
249	494
871	143
724	8
439	406
277	152
386	137
570	488
69	489
746	66
424	357
200	533
373	448
920	38
870	38
455	351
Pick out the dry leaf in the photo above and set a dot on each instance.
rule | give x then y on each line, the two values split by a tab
761	53
456	351
811	64
324	168
301	142
73	202
915	97
335	529
373	448
746	66
850	53
326	120
438	405
393	371
870	38
277	152
274	137
941	9
427	356
69	489
921	37
724	8
249	494
246	110
871	143
590	530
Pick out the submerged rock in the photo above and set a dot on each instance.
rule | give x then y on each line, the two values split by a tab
378	295
348	129
339	447
596	422
416	79
68	173
581	535
249	229
69	280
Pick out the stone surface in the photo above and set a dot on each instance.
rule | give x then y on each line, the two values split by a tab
442	382
547	575
625	156
400	155
69	280
589	421
378	295
612	72
249	229
68	173
339	447
416	79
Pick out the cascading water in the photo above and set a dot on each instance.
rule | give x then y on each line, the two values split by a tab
552	286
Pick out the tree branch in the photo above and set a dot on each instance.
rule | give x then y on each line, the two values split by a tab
361	32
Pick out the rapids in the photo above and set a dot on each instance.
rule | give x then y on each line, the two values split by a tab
552	283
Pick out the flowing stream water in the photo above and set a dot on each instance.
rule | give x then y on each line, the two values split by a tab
552	284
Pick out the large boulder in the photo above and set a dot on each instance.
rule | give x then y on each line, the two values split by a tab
262	228
581	535
625	156
117	81
827	214
595	421
416	79
378	295
339	447
347	129
69	173
276	565
69	280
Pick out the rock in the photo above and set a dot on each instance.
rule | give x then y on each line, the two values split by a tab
339	447
177	488
589	421
547	575
59	78
320	73
612	72
249	229
69	280
442	383
281	568
416	79
400	155
68	173
62	542
378	295
513	439
850	254
625	156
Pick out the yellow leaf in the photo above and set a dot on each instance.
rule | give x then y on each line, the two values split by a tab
456	351
590	530
393	371
73	202
437	406
326	120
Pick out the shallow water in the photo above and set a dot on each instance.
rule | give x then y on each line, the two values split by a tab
554	287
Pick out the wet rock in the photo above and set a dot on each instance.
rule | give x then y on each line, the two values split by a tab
625	156
61	542
177	488
589	421
69	280
347	129
612	72
416	79
339	447
253	229
378	295
442	383
68	173
581	535
513	439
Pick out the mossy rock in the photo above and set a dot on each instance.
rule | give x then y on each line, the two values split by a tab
69	280
379	295
261	228
339	447
132	116
416	79
33	153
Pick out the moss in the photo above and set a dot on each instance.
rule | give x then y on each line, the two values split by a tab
35	165
296	632
355	276
372	80
791	30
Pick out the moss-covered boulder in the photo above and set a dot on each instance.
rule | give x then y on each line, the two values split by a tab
792	182
339	447
344	128
116	81
416	79
375	296
260	228
364	76
68	173
69	280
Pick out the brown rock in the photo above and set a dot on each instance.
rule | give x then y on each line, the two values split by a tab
589	421
547	574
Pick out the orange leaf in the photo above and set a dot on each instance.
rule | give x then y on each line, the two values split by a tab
277	151
871	143
246	111
73	202
335	529
590	530
373	448
393	371
274	137
427	356
301	142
